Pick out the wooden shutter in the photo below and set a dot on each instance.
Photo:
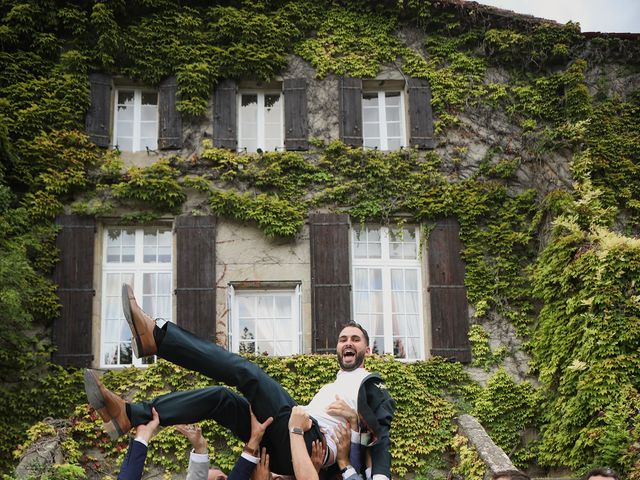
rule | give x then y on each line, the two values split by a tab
97	119
224	115
330	279
71	333
447	293
195	274
420	116
170	131
296	124
351	111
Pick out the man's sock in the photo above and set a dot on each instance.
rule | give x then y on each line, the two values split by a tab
159	331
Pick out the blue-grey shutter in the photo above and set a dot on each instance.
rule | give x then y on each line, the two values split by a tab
97	119
225	115
195	274
170	128
420	115
71	331
351	111
296	124
330	278
447	293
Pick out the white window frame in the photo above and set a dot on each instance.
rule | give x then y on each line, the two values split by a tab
233	326
260	126
386	264
137	116
382	119
137	268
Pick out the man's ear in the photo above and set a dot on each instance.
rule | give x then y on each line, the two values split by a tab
368	350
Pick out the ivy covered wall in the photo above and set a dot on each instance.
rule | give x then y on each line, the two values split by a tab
537	156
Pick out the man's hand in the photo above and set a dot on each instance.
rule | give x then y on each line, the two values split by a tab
342	437
149	430
317	454
261	472
193	433
340	408
300	419
257	431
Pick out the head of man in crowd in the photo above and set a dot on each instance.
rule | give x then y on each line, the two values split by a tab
601	473
353	345
215	474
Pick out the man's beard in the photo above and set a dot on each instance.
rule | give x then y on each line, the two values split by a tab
359	360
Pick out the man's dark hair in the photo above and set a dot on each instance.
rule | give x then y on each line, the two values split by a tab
359	327
602	472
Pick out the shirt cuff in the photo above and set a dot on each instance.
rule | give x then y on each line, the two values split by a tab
367	473
199	457
142	441
350	471
379	476
249	457
355	437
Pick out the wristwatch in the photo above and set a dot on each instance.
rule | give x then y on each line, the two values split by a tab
296	430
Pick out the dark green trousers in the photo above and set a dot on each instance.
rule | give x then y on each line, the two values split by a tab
266	396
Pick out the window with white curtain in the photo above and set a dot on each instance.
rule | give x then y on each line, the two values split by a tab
265	320
261	121
387	289
141	257
136	120
383	122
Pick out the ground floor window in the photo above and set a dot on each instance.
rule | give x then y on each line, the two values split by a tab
265	320
141	257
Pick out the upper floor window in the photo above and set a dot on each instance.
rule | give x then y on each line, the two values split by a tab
387	289
141	257
260	121
265	320
136	120
383	120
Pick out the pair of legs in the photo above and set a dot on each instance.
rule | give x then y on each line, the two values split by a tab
266	396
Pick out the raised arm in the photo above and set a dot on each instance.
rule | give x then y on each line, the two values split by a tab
299	422
133	463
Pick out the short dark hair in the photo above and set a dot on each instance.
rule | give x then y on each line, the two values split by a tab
359	327
602	472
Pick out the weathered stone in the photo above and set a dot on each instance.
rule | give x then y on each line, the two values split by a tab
492	455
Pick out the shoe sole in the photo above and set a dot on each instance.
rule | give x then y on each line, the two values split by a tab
96	400
126	307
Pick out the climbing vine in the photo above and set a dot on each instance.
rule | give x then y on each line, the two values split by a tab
567	285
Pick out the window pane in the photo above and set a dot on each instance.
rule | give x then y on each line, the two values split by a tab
247	347
125	97
283	348
125	117
125	353
249	100
272	102
392	98
370	115
376	279
149	98
370	99
360	250
246	306
124	144
265	329
371	133
265	307
128	254
283	306
393	114
149	114
265	347
110	356
393	130
148	130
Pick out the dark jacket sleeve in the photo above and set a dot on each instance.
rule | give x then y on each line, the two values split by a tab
383	407
242	470
133	463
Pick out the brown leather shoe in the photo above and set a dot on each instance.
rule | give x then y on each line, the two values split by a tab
109	406
140	323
